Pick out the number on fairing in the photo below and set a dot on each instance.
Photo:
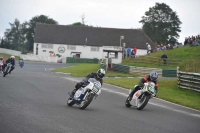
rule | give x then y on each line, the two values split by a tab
9	64
150	88
96	87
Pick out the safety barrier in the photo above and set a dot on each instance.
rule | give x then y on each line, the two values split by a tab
187	80
144	70
120	68
169	73
155	61
81	60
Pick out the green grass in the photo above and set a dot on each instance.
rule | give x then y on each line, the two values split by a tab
168	90
82	70
6	56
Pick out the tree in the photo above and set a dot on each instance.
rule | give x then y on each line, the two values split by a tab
15	35
161	23
81	24
31	27
2	43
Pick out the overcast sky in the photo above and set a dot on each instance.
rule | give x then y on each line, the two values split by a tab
124	14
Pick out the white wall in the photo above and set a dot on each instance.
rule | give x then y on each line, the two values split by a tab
10	52
29	57
85	51
141	52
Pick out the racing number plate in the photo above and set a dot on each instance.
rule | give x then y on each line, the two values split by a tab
150	88
96	87
9	64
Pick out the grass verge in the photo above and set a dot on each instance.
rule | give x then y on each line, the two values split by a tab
6	56
82	70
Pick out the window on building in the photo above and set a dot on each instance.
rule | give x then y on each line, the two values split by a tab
44	51
71	47
94	48
49	46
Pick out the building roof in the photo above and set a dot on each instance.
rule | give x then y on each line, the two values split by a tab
90	36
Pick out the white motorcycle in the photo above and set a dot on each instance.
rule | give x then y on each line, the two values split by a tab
7	69
84	95
142	96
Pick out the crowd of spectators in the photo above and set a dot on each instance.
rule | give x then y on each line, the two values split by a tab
128	52
191	41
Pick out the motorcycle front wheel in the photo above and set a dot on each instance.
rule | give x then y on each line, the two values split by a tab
86	101
143	100
70	102
127	102
5	72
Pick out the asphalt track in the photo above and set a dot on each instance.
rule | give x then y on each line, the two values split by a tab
33	100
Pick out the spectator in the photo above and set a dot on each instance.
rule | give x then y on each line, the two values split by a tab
148	48
125	52
179	45
158	48
164	57
134	52
128	52
186	41
175	45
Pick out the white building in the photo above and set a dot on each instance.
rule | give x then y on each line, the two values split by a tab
52	41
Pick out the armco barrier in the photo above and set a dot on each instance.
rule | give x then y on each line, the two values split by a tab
120	68
81	60
144	70
169	73
189	81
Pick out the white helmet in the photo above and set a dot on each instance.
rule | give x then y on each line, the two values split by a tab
13	57
101	72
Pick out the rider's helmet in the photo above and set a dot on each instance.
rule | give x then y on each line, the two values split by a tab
12	57
100	73
153	76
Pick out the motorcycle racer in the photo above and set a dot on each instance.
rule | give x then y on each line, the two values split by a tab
98	76
153	76
12	61
2	62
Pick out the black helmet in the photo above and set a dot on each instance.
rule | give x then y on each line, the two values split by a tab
153	75
100	73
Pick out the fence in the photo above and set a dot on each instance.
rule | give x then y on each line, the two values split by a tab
189	81
144	70
155	61
81	60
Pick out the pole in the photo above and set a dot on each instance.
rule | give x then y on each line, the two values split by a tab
120	41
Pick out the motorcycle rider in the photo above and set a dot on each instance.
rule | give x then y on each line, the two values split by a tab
21	61
153	76
2	62
98	76
12	61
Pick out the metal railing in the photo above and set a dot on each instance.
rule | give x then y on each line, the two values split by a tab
187	80
156	61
